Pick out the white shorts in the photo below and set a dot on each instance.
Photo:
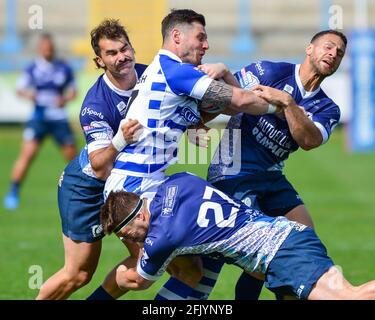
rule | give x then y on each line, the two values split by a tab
145	187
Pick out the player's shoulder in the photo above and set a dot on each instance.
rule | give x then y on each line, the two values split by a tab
95	96
324	101
272	68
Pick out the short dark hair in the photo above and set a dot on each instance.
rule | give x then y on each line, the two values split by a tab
330	31
116	208
179	16
109	29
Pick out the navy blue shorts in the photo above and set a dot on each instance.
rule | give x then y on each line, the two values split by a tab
298	264
269	192
80	198
59	130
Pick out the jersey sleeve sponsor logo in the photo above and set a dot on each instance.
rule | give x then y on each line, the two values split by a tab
331	125
248	80
144	259
98	130
188	114
259	68
169	201
121	107
91	112
288	88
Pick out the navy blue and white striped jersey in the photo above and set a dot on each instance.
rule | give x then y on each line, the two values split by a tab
165	102
48	80
102	110
188	216
264	142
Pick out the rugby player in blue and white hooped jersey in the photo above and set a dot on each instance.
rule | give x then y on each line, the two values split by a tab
80	191
166	100
253	171
188	216
49	83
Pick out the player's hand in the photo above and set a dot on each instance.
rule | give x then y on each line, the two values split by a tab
274	96
121	278
128	132
214	70
198	135
131	130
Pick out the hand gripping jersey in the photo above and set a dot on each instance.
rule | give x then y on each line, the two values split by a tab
189	216
165	101
101	112
49	80
264	142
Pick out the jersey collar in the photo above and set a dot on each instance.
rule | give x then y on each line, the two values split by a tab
305	94
169	54
124	93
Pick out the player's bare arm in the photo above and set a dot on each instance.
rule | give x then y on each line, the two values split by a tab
129	279
102	159
223	95
303	130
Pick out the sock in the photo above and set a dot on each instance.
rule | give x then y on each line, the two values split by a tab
14	187
173	289
211	270
100	294
248	288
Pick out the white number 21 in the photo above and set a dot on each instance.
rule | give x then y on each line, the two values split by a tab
218	210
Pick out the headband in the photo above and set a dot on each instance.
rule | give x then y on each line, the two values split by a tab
130	217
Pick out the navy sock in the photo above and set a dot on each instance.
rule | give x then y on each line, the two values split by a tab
248	288
100	294
14	187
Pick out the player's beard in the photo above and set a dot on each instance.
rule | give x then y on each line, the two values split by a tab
320	70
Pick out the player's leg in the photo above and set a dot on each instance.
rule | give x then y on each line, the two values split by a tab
81	260
186	272
300	261
64	137
332	285
275	197
32	136
79	197
301	215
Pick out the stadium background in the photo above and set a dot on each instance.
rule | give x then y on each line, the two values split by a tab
335	182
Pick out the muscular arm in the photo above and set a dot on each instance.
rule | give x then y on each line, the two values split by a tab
303	130
223	95
102	159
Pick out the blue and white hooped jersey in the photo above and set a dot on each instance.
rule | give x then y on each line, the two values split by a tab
102	110
264	142
49	80
165	102
191	217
